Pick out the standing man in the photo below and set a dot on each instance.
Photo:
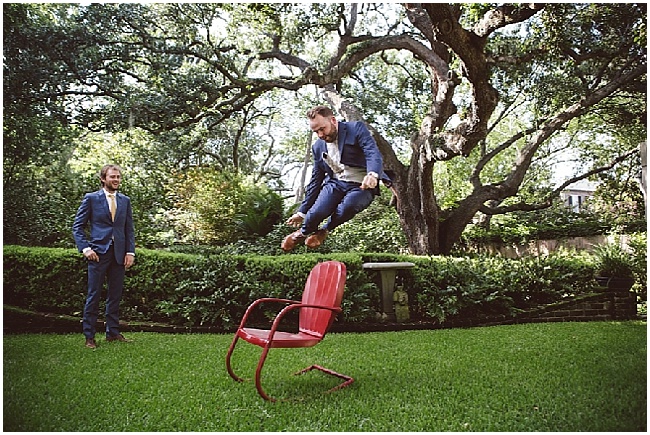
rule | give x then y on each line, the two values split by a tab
109	250
344	180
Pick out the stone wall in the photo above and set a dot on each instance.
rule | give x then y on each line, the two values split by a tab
545	247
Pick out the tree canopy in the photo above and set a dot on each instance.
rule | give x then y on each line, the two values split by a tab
503	88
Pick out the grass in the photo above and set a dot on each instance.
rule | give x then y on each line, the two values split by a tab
534	377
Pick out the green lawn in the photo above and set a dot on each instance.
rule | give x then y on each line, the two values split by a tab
534	377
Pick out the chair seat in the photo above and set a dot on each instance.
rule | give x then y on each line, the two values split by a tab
260	337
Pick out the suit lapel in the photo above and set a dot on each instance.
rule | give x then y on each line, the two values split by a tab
119	200
103	203
343	131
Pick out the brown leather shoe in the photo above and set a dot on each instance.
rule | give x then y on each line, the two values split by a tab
292	240
90	343
118	337
316	239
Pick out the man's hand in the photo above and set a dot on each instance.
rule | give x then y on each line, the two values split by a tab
91	255
128	260
295	220
369	182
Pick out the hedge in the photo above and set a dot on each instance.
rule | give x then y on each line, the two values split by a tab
214	290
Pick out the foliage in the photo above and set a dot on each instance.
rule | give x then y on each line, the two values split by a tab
144	177
375	229
224	286
39	204
619	201
186	86
463	288
216	207
266	245
612	261
555	223
44	279
53	280
638	244
261	211
40	193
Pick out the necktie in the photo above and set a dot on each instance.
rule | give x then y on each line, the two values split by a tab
112	205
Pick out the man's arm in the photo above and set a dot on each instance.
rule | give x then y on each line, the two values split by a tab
79	226
129	234
129	229
374	161
81	220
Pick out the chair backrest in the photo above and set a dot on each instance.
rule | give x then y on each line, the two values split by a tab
324	286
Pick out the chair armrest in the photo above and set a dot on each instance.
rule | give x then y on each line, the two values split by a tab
285	310
257	302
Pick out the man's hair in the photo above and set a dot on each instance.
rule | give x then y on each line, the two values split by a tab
323	111
104	171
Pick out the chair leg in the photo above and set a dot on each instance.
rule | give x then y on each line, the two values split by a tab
258	374
348	379
228	355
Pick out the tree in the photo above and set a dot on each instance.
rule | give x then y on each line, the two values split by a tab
174	67
40	194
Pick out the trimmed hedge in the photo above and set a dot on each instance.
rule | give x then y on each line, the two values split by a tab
214	290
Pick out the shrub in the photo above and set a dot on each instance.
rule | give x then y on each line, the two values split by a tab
54	280
638	243
214	290
612	261
473	288
44	279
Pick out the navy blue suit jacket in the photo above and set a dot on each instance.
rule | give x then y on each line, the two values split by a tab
356	147
94	212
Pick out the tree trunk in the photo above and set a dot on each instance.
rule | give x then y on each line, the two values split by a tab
300	192
417	208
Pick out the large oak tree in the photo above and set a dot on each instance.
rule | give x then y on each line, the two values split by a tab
459	70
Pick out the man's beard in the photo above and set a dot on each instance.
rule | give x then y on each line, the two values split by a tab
331	138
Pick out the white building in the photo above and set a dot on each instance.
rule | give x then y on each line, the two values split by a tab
575	195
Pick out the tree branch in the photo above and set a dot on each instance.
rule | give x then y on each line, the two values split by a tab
523	206
503	15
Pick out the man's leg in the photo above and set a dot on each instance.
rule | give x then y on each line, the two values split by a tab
328	199
327	202
116	274
355	200
96	274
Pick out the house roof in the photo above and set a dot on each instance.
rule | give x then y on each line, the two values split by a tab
582	185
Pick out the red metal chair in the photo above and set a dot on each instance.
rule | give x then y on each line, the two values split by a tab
321	301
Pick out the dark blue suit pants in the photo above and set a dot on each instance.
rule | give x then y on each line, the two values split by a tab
108	268
340	200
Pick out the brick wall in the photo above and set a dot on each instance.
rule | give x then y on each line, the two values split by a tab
608	305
